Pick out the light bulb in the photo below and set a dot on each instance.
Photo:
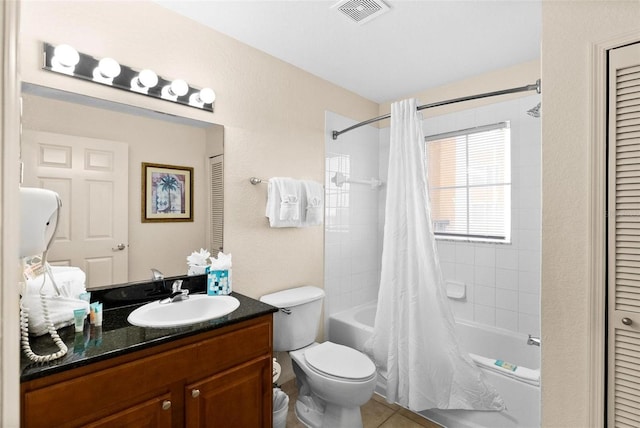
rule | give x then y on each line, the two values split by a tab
148	78
144	80
66	56
109	68
64	60
202	97
178	88
207	95
175	89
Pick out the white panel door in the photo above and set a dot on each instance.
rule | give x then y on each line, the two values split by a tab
623	234
91	177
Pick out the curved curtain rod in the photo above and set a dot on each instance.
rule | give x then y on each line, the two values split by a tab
534	87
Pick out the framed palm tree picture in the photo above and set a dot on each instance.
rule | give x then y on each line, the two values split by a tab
167	193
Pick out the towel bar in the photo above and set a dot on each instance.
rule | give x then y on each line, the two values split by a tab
256	180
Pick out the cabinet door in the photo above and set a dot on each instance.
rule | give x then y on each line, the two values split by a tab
236	398
155	413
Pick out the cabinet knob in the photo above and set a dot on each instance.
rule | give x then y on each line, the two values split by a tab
166	405
627	321
195	393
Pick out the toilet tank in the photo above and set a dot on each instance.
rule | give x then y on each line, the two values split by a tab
296	324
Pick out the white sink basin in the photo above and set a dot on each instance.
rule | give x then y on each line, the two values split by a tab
197	308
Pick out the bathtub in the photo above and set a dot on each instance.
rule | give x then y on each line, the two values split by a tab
354	326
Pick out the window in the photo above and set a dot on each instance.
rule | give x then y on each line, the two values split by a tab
470	183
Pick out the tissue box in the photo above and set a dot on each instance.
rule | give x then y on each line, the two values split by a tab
218	282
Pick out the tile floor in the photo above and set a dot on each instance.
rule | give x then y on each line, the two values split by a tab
376	413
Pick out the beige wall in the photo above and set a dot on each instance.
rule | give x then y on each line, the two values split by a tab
570	30
273	115
148	140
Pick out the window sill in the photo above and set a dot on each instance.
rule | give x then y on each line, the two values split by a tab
473	240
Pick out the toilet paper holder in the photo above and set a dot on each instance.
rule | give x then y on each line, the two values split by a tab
277	369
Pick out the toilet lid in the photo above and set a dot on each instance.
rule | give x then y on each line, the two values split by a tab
340	361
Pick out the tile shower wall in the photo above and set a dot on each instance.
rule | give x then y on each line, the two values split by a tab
351	217
502	280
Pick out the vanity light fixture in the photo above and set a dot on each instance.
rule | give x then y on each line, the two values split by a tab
65	59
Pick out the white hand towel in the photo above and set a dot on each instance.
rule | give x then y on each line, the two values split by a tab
289	207
313	201
71	282
283	202
290	192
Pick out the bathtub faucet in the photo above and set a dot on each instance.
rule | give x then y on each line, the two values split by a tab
533	341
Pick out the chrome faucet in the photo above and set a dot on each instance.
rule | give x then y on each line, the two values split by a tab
177	293
532	340
156	275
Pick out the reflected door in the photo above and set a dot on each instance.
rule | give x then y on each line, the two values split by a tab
216	204
91	177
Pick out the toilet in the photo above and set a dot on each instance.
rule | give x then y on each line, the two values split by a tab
333	380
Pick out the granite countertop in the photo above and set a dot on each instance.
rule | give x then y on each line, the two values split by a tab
118	337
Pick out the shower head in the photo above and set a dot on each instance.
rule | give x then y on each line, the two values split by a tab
535	111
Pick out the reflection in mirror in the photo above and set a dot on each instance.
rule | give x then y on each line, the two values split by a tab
91	151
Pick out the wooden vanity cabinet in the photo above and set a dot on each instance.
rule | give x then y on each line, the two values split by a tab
154	413
220	378
229	399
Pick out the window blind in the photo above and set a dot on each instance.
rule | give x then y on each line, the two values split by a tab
469	176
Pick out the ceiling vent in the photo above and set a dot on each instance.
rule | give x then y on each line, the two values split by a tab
361	11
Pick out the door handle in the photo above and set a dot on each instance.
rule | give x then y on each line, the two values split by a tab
120	247
627	321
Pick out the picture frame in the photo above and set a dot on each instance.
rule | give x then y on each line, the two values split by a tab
167	193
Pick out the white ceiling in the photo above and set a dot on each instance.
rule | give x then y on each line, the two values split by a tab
413	47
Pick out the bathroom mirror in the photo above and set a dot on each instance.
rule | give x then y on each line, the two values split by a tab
91	152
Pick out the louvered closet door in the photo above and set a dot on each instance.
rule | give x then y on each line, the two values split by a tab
216	204
624	238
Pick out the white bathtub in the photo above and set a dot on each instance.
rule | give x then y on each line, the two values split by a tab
354	326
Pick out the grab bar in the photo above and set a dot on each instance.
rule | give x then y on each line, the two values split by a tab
339	179
532	340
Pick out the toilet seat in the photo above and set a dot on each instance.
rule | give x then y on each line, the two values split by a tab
338	361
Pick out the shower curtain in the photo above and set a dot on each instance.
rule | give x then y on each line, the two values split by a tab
414	343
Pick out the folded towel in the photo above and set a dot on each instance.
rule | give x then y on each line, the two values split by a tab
71	282
523	374
289	207
283	202
313	194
